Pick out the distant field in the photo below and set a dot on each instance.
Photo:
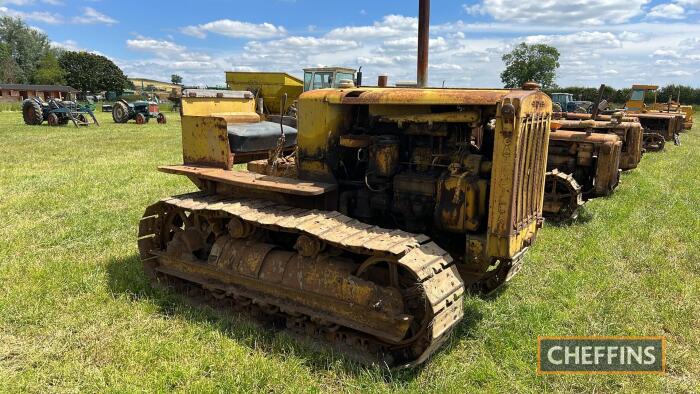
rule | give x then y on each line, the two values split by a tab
76	313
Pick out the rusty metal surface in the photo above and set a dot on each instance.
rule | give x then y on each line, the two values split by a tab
563	197
582	164
197	237
465	167
423	42
253	180
630	133
408	96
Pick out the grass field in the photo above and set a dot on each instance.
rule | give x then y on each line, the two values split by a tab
76	313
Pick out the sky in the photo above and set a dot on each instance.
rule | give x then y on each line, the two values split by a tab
616	42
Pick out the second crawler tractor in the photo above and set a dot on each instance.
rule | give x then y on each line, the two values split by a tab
399	200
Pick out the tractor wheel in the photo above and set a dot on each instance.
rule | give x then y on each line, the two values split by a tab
161	118
32	113
141	119
82	119
54	120
120	112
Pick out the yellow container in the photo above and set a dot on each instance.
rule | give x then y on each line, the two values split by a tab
271	86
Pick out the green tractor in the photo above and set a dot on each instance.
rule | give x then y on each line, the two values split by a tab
140	111
36	111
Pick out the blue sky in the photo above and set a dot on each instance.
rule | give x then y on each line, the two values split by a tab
618	42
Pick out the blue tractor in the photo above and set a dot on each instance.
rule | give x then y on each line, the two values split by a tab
140	111
564	102
56	112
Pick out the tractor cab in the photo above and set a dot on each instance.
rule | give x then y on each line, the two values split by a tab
636	101
327	77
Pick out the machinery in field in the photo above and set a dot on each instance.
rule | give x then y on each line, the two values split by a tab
673	107
585	160
56	113
140	111
564	102
270	87
369	235
341	249
658	127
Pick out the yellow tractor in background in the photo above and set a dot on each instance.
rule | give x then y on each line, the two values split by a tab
395	202
659	127
270	87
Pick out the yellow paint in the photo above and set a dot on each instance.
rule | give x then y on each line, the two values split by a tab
205	142
207	106
271	86
324	113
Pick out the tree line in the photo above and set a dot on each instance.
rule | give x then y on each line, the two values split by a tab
27	57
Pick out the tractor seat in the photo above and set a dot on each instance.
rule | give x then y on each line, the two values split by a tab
258	137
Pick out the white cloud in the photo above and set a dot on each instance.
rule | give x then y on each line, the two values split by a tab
590	12
584	38
667	11
665	53
666	62
235	29
676	73
91	16
161	48
389	26
68	45
35	16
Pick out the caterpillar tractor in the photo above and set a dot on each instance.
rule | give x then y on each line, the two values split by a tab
658	127
586	157
674	107
584	162
367	237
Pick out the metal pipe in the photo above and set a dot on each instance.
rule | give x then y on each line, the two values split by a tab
423	41
383	81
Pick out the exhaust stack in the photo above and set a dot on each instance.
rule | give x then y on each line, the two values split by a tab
423	42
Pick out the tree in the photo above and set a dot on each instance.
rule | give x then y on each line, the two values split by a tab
49	71
176	79
88	72
537	62
9	70
27	46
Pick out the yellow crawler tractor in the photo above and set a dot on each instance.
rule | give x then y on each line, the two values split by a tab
586	157
584	162
367	237
659	127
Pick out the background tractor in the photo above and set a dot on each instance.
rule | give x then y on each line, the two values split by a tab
584	162
564	102
659	127
270	87
56	112
377	224
140	111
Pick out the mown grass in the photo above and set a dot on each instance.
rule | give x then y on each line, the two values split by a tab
76	313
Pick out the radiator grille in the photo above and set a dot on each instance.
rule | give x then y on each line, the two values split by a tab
530	165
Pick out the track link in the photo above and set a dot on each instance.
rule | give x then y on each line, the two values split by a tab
430	266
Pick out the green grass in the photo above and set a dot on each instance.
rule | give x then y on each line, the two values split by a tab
76	313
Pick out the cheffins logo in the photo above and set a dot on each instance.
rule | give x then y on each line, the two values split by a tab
601	355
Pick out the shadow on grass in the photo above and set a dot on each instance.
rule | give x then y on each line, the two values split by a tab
584	216
126	278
